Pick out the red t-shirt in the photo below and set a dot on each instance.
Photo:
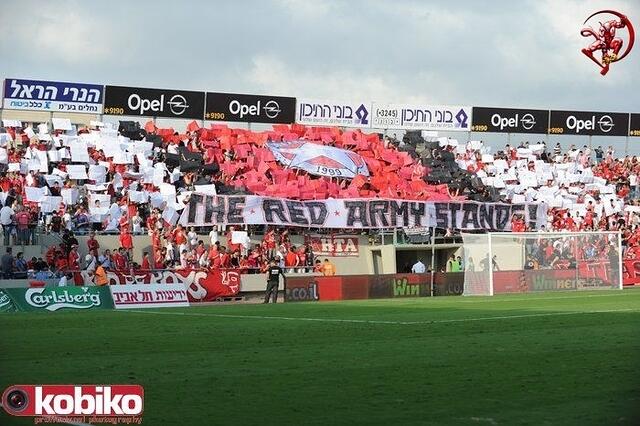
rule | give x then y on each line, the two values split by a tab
119	261
74	257
179	237
126	240
93	245
291	259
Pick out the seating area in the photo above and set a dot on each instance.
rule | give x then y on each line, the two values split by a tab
136	179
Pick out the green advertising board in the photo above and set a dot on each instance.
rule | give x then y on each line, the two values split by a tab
55	299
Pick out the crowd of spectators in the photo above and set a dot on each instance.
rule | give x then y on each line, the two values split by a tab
125	189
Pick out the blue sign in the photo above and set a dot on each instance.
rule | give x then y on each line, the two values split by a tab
54	96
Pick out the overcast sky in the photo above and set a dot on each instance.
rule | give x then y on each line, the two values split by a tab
510	53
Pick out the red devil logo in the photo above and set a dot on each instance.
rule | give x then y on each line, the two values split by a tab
606	40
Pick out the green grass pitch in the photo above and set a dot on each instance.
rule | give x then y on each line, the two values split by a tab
539	359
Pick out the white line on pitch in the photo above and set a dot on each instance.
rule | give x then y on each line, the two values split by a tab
514	298
357	321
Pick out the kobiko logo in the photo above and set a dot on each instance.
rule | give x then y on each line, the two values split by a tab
605	123
78	400
271	109
177	104
527	121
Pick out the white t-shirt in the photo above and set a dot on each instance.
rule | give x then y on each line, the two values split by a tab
137	222
66	218
213	235
193	238
418	268
6	215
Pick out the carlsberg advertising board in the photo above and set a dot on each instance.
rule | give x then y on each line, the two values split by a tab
59	298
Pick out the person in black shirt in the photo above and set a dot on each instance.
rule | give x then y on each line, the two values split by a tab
56	223
273	280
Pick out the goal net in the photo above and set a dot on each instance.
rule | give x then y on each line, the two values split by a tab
528	262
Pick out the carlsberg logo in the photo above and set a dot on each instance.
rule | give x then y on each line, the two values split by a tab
53	299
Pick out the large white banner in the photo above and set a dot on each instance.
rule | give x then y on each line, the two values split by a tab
318	159
205	210
332	113
421	117
131	296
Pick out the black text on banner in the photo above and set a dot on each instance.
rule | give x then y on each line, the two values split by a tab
250	108
205	210
509	120
142	102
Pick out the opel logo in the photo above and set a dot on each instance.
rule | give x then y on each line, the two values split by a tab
178	104
527	121
271	109
606	123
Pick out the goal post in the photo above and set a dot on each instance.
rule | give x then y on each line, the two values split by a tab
505	262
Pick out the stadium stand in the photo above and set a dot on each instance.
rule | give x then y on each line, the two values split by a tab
106	188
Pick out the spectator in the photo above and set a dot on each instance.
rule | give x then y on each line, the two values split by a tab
136	223
90	263
74	259
65	279
470	265
22	219
451	264
418	267
146	265
328	268
192	237
291	260
599	154
56	223
100	276
106	260
7	263
92	244
20	267
6	220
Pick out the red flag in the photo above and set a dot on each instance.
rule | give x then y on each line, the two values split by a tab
358	181
193	126
150	126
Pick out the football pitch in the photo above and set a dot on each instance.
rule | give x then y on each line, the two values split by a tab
570	358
